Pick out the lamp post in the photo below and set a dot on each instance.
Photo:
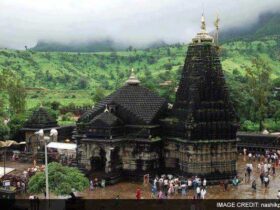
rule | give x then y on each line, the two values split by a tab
40	133
53	135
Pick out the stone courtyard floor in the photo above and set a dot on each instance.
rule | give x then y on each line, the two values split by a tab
126	190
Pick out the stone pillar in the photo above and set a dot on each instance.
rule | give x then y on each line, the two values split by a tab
108	160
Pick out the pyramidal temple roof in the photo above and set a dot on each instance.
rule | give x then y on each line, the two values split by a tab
41	118
134	103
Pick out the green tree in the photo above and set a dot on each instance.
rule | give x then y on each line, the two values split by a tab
17	96
15	124
259	87
62	179
4	130
98	95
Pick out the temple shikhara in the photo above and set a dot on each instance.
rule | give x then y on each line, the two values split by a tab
134	132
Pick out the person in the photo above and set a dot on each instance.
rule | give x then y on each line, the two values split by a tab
138	194
235	181
225	185
189	184
203	193
176	186
103	183
250	156
278	195
249	170
91	185
160	195
262	177
198	191
268	167
165	186
183	189
244	151
204	183
273	169
266	181
254	185
154	191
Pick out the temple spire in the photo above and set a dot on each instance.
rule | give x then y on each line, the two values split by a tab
132	80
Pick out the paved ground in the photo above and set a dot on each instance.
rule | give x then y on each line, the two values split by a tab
243	191
126	190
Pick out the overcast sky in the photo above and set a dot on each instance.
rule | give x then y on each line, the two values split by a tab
24	22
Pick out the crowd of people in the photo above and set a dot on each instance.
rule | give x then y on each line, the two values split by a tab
167	185
266	167
94	183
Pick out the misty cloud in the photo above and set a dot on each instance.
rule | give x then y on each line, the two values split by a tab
132	21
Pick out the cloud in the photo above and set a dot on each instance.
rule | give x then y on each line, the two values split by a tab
133	21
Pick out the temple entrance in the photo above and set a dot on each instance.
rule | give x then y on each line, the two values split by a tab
116	163
98	162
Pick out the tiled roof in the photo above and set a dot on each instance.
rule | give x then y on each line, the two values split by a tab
134	105
106	118
40	118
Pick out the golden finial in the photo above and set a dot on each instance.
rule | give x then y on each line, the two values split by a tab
132	80
216	24
217	21
203	24
106	109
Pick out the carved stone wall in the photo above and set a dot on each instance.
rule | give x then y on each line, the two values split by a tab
206	159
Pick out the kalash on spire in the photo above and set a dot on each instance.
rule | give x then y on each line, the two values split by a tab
203	35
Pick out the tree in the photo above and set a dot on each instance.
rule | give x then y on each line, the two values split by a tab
15	124
62	180
4	130
98	95
259	84
17	96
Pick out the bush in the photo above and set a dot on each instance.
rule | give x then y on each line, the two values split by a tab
67	117
62	179
4	131
248	125
15	124
55	105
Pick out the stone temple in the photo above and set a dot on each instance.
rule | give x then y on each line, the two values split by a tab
132	132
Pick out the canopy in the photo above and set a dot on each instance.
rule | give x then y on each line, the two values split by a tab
58	145
9	143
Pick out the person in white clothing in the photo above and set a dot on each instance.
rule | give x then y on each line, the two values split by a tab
204	183
203	193
198	192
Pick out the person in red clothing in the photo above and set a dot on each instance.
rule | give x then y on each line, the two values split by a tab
138	194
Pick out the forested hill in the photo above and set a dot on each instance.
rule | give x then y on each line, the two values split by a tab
268	24
108	70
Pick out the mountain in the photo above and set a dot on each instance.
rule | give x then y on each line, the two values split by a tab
268	24
106	45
